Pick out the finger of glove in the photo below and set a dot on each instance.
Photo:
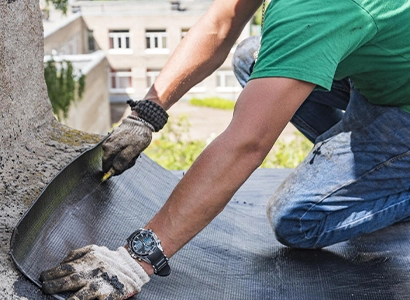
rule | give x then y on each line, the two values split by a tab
110	152
70	283
125	159
107	164
57	272
77	253
90	291
116	296
132	162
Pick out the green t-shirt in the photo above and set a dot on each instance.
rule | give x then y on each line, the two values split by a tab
318	41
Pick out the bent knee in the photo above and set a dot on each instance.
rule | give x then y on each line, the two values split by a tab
289	235
290	230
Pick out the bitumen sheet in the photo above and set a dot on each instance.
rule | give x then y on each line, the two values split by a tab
235	257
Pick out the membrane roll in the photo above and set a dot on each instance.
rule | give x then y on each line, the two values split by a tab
235	257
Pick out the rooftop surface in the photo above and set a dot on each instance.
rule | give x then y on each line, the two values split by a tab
235	257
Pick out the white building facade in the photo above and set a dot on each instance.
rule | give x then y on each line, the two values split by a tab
138	37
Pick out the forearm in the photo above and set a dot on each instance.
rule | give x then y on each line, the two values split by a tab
203	192
202	50
229	160
189	65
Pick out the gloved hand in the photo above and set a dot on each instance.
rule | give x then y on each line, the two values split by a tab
124	145
96	273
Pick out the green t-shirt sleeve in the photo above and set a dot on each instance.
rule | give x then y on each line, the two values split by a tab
306	40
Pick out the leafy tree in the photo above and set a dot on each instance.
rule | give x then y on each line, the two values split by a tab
62	86
59	4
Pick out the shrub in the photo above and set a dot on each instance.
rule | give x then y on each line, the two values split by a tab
288	154
213	102
174	149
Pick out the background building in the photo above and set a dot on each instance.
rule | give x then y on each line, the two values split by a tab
66	38
137	38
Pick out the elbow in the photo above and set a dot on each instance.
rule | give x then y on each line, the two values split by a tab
253	151
243	150
257	154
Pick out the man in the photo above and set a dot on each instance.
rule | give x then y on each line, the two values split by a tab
355	180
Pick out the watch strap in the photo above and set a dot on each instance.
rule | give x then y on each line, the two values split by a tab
160	263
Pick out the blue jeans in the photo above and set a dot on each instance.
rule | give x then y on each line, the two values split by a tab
356	178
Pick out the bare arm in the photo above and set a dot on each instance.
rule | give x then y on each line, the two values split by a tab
262	111
200	53
203	50
257	122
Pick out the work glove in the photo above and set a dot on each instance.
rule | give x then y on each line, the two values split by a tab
125	144
95	272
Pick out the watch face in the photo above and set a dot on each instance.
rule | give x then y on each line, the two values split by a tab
143	243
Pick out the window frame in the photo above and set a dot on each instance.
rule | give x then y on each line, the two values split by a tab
221	77
119	41
117	75
156	37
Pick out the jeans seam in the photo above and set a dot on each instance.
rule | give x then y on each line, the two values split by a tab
375	169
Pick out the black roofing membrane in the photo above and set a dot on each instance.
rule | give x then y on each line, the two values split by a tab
235	257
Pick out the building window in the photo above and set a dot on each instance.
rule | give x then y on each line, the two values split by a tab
176	5
226	81
156	41
119	41
120	81
91	41
184	32
152	74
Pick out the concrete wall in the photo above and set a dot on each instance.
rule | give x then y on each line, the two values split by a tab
69	37
92	112
69	41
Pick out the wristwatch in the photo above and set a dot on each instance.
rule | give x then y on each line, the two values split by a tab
144	245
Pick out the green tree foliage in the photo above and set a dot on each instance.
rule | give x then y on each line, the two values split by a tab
257	18
62	86
59	4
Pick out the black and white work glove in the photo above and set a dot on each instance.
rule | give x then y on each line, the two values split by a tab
95	272
127	141
125	144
